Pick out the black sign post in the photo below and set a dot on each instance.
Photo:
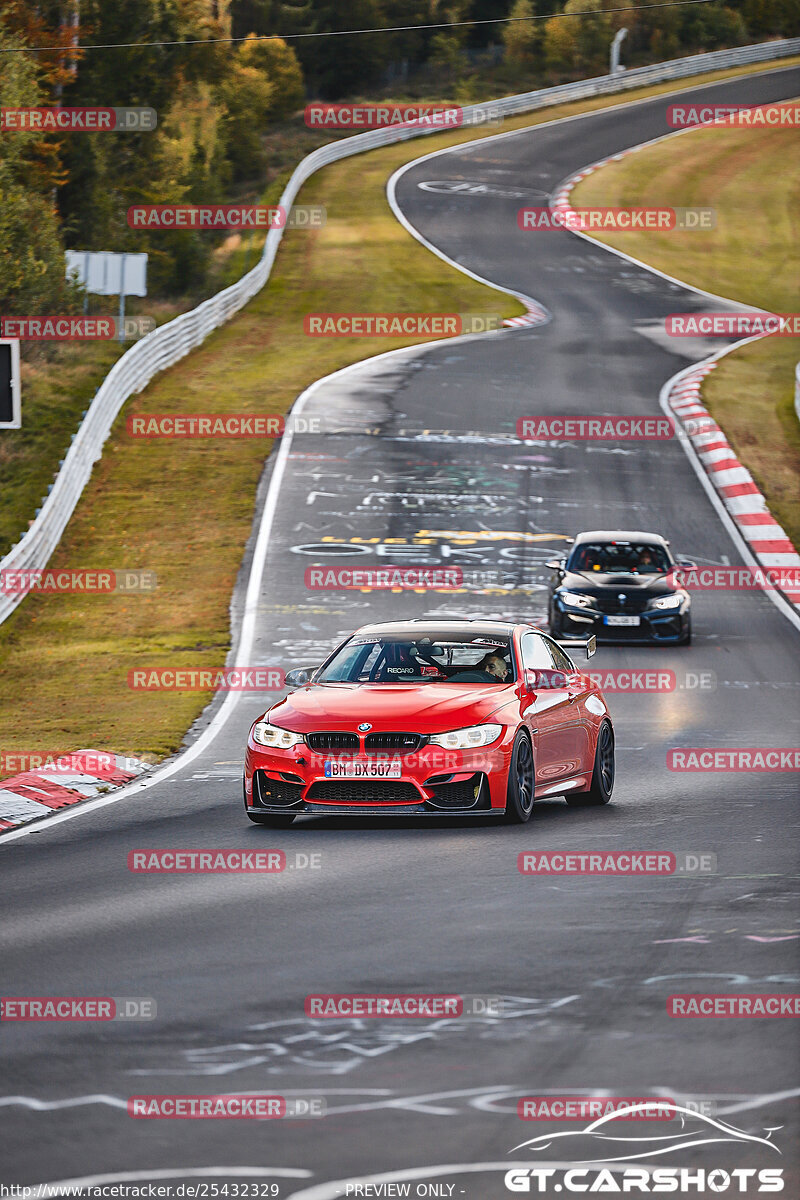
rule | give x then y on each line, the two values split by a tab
10	398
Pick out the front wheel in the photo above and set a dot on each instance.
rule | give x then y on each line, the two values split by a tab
603	773
519	794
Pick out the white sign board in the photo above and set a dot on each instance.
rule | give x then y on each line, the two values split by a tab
105	273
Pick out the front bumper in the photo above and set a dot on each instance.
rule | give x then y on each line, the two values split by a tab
432	782
656	626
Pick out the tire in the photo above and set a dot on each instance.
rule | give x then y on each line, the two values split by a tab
686	640
276	820
519	794
602	775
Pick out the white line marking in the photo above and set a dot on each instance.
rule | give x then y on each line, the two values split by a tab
259	555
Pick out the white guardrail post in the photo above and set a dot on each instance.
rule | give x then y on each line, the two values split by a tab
169	343
797	390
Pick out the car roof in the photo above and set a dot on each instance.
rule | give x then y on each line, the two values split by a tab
620	535
441	624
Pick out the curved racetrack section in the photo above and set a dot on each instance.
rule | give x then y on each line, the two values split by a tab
419	463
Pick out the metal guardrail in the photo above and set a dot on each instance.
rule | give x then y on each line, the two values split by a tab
171	342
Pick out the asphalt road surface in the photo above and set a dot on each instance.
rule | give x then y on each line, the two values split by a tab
419	463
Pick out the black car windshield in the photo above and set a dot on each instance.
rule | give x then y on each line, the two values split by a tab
395	658
636	558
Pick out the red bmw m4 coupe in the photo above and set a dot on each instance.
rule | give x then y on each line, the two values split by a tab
424	718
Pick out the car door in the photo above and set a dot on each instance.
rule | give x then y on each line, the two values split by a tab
551	714
578	688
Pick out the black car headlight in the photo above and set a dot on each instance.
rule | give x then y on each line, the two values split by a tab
575	599
673	601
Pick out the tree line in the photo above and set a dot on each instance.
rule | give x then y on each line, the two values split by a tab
218	99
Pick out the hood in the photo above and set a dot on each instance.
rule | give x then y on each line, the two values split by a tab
392	707
599	581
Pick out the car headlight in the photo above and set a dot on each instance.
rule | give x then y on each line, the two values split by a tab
464	739
576	599
272	735
673	601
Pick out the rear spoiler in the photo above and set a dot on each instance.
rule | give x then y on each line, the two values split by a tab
588	644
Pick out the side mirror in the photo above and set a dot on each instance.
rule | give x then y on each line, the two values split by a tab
555	564
541	680
300	676
687	564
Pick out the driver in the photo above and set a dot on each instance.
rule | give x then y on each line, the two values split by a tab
491	669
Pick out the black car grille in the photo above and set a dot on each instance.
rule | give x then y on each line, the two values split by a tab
634	602
272	792
343	791
456	795
332	741
406	743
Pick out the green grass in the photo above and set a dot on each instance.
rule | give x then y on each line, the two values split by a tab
184	508
752	180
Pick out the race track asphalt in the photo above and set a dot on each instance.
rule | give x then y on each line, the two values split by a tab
418	458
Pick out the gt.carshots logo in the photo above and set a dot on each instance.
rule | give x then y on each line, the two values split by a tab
602	1169
401	1005
645	1180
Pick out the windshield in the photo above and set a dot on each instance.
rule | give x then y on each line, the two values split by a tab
422	659
629	558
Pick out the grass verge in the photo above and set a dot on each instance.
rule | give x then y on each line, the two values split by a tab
183	509
752	179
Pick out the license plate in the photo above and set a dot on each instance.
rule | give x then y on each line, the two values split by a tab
622	620
357	769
